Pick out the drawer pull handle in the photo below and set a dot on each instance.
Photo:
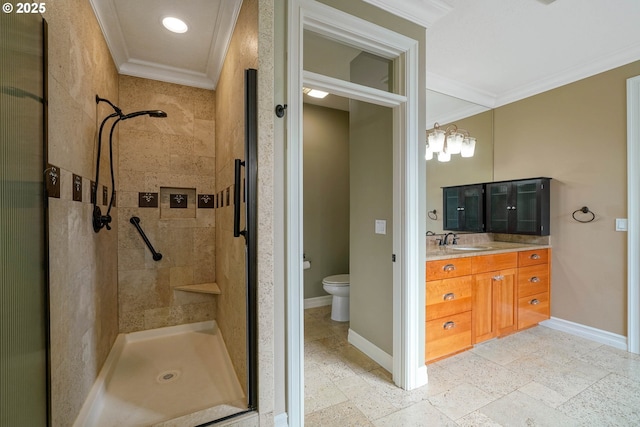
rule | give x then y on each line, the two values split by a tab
449	296
499	277
449	325
534	256
534	279
449	267
534	301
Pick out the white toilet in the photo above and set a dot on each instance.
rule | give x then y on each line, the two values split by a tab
338	286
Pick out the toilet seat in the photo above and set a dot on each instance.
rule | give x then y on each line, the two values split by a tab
336	280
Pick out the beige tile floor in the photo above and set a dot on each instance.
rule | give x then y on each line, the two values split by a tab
537	377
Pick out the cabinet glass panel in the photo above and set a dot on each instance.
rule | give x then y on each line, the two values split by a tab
526	202
498	197
473	209
451	209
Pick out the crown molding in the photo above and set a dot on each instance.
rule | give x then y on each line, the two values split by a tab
605	63
226	19
452	116
224	27
107	17
163	73
421	12
456	89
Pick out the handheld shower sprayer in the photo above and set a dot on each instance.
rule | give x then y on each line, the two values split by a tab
103	221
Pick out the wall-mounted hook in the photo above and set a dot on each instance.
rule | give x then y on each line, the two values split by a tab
280	110
584	210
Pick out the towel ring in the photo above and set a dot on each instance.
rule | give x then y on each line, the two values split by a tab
433	215
584	210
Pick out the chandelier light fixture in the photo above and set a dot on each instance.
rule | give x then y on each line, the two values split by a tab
450	141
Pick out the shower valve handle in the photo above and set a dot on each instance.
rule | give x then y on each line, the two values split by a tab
100	220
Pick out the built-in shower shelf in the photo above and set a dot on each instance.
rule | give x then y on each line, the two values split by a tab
203	288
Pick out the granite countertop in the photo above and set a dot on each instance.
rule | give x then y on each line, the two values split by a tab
483	245
489	248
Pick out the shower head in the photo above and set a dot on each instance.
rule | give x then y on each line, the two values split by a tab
150	113
99	220
122	116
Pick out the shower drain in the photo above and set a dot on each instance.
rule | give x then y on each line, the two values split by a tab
168	376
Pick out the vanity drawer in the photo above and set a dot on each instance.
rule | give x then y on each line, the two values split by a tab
533	257
448	296
533	280
447	335
533	309
486	263
445	268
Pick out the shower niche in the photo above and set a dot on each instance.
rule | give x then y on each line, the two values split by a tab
177	203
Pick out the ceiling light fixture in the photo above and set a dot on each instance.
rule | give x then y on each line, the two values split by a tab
315	93
448	142
175	25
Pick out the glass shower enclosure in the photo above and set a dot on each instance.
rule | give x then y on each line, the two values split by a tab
23	250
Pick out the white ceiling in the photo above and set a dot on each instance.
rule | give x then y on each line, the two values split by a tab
142	47
494	52
490	52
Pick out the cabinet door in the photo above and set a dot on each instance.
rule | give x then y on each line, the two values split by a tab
463	208
497	204
451	207
472	208
494	309
504	308
482	326
518	207
526	208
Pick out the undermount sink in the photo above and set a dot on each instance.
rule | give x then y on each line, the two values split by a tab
470	248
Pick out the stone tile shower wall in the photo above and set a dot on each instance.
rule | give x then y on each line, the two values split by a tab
230	266
161	158
82	264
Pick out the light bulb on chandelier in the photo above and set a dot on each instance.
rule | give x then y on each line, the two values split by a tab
450	141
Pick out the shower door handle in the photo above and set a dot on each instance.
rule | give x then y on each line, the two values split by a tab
236	200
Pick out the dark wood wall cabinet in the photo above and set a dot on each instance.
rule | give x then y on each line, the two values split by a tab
464	208
510	207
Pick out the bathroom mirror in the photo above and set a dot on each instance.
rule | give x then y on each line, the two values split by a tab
478	121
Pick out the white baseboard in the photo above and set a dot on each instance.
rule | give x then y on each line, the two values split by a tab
422	377
281	420
317	301
374	352
593	334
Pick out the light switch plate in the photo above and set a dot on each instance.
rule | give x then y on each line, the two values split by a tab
381	226
621	224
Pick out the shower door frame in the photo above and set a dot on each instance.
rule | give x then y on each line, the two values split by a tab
409	371
633	213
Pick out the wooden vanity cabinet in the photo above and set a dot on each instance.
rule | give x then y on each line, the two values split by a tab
493	310
533	289
473	299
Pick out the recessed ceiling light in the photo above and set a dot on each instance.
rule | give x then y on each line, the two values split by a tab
314	92
175	25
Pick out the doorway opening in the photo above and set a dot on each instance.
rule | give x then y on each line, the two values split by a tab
399	97
348	242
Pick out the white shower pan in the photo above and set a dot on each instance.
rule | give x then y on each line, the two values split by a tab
174	376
